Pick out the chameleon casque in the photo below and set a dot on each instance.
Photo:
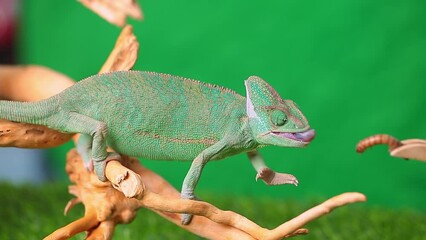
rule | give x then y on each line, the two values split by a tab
159	116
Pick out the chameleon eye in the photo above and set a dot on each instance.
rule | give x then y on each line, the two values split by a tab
278	117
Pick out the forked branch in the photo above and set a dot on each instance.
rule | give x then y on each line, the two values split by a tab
111	207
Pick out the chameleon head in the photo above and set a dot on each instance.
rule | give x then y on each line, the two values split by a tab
274	121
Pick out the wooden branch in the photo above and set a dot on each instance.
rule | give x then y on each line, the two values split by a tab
78	226
115	11
124	54
24	135
30	83
315	212
111	207
285	230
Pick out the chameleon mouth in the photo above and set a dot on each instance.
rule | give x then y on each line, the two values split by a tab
304	137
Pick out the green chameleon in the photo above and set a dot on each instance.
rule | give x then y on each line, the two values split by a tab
159	116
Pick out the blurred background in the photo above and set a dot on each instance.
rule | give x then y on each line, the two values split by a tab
355	68
20	165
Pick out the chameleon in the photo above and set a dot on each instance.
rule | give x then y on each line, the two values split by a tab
163	117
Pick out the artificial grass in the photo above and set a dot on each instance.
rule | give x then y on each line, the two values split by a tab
32	212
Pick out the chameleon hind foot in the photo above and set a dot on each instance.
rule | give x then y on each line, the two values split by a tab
187	218
88	165
99	165
271	177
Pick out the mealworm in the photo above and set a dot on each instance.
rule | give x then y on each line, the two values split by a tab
378	139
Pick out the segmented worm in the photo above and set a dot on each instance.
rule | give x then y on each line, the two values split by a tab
378	139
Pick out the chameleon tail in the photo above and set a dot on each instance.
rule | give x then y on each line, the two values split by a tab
29	112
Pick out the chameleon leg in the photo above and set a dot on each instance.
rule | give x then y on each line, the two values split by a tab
84	148
194	173
96	131
269	176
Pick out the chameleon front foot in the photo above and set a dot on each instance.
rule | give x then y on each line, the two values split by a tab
271	177
99	165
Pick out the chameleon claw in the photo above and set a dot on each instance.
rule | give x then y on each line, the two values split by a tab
88	165
271	177
187	218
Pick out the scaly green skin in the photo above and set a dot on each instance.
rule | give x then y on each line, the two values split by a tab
159	116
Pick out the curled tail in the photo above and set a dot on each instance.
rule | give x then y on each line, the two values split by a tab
29	112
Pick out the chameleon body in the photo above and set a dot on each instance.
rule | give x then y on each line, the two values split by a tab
159	116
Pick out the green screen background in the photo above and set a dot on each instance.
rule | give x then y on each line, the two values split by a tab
355	68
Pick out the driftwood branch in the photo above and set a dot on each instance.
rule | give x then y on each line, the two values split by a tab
110	207
115	11
124	54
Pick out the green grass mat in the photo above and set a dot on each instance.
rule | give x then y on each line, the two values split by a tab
32	212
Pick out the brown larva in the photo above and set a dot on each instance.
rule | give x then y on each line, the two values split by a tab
378	139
